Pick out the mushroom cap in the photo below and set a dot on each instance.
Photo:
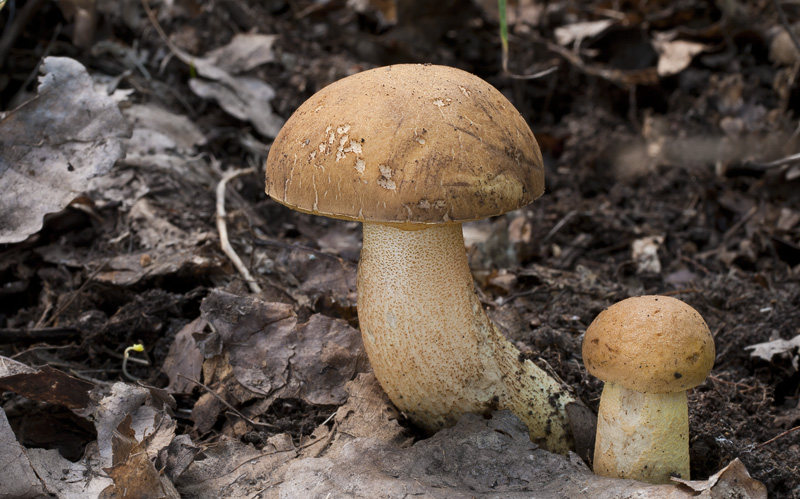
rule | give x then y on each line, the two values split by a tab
651	344
406	144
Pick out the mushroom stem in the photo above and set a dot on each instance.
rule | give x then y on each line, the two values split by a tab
642	436
432	347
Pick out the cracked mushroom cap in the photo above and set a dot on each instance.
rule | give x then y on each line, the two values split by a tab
651	344
406	144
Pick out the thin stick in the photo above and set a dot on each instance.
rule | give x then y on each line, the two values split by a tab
229	406
223	228
777	437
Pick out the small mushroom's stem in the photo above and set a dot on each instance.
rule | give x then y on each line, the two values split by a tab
642	436
432	347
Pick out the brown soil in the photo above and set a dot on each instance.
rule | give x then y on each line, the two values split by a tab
679	157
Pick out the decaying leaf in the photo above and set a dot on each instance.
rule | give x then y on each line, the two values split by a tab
156	130
68	480
51	146
732	481
49	385
230	468
243	97
132	470
184	361
271	355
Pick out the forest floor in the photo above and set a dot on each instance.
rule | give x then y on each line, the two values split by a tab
667	128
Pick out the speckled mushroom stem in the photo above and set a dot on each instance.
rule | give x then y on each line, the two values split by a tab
642	436
433	349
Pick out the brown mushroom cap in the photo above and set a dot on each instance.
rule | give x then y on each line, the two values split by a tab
406	144
651	344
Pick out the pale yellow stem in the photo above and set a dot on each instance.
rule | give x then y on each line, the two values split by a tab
642	436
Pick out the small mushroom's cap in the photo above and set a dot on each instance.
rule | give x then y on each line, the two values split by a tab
651	344
406	144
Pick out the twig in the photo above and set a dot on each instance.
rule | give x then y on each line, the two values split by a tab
786	25
33	335
788	160
738	225
732	383
777	437
559	225
229	406
223	229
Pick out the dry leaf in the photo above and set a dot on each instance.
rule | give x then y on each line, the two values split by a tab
184	361
577	32
50	385
244	98
676	55
731	482
17	478
132	471
51	146
245	51
644	252
156	130
274	356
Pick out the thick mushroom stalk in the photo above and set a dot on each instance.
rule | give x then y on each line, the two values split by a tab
433	349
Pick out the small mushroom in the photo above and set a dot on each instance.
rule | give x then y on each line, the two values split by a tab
649	350
412	151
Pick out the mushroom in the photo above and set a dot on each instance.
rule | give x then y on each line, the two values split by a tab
412	151
649	350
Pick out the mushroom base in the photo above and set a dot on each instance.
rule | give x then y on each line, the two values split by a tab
642	436
433	349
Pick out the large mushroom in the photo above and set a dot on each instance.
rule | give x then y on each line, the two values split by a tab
412	151
649	350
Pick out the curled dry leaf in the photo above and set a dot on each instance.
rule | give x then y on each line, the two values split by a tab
51	146
770	349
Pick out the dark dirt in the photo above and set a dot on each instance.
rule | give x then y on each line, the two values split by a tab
680	158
